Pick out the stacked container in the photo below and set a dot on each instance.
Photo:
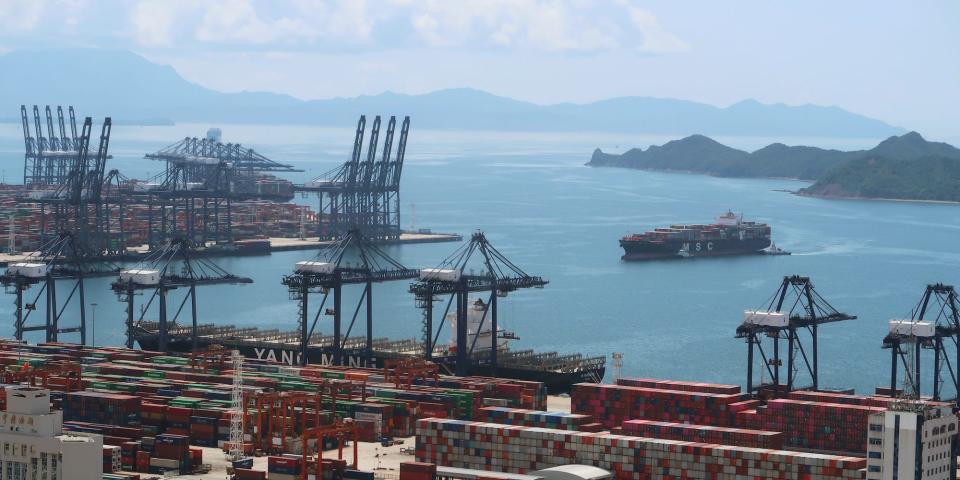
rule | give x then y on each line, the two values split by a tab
679	385
614	404
517	449
111	459
171	452
283	468
533	418
820	426
417	471
704	434
97	407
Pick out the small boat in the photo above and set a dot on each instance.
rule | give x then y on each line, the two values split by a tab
773	249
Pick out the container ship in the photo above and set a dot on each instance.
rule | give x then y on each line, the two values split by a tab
730	235
559	372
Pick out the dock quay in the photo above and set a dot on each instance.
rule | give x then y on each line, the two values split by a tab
277	244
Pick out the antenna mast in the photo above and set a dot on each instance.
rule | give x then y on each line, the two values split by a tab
236	408
617	366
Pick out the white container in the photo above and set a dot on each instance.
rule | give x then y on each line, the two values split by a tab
910	327
318	183
39	194
314	267
765	319
441	274
145	186
29	270
140	277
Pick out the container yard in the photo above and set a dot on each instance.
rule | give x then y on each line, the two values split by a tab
162	413
283	226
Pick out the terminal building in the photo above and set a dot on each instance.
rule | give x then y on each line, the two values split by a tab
912	444
33	445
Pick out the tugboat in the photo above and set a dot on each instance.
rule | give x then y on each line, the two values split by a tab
773	249
729	235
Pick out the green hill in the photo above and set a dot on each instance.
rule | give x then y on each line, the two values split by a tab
700	154
900	167
924	178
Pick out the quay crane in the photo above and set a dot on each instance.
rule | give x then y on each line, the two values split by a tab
332	270
49	157
61	260
934	324
363	194
192	198
795	307
497	275
168	268
86	204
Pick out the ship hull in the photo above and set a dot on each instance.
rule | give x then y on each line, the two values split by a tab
555	381
647	250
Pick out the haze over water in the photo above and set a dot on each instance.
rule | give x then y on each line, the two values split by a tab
556	218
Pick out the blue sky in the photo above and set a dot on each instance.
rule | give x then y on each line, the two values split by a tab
893	60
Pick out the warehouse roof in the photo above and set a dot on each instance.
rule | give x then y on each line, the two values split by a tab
471	474
573	472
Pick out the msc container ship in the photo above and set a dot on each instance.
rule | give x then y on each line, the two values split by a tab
730	235
559	372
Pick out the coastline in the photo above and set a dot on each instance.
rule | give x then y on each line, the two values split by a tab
695	172
874	199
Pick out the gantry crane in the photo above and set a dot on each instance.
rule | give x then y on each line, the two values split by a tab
69	372
168	268
184	207
48	157
496	275
59	261
193	198
352	260
85	203
934	324
795	307
363	194
404	371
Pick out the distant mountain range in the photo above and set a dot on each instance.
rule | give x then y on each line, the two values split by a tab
132	89
904	167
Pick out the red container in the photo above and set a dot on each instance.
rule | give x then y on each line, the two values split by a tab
613	404
417	471
704	434
245	474
819	426
679	385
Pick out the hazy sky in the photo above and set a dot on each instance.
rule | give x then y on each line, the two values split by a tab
894	60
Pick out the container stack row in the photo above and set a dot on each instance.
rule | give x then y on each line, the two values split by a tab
820	426
614	404
704	434
680	385
517	449
533	418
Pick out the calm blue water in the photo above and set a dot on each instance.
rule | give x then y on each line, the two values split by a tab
554	217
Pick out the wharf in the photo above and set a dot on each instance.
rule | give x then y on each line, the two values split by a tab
281	244
277	244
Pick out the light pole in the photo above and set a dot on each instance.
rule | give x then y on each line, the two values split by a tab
94	339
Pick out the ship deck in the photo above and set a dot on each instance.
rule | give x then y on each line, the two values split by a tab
383	347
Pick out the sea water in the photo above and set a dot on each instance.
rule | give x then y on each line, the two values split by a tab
552	216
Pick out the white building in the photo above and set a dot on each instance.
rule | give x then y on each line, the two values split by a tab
34	447
912	445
